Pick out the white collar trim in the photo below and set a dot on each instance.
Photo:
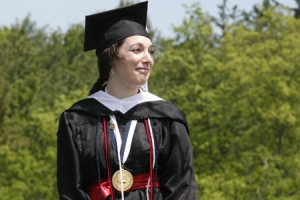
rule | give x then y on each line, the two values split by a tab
123	105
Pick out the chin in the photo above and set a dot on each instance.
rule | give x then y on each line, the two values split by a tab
142	80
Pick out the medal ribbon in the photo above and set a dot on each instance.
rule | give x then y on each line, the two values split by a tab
121	146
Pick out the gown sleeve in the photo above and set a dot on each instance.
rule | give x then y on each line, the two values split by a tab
178	178
69	178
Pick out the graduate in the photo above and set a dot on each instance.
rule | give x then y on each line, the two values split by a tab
122	142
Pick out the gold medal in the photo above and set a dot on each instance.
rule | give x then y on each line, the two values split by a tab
127	180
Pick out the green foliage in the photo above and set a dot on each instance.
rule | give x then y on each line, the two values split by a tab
38	70
240	97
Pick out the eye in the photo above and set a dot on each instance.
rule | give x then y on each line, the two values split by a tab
151	52
136	49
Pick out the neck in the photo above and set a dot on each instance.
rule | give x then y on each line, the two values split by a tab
121	91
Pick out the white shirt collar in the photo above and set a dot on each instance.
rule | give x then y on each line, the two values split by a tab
123	105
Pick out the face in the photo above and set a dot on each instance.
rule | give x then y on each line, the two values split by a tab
134	63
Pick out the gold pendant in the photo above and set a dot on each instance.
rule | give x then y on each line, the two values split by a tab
127	180
111	126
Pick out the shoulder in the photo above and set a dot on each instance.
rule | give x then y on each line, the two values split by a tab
159	110
81	112
88	106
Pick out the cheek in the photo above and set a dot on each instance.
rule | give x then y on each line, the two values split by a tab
131	63
128	70
126	67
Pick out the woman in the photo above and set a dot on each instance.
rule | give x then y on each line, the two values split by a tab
123	142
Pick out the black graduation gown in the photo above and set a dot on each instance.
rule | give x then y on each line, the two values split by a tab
76	162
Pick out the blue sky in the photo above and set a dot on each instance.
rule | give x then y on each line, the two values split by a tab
63	13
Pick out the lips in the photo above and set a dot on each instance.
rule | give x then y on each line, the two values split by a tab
143	70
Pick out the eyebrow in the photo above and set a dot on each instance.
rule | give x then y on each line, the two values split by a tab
140	44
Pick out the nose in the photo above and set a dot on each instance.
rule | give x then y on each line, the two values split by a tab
148	58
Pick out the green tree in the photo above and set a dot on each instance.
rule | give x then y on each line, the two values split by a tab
240	97
30	59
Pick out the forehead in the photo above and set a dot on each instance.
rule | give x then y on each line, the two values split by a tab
137	39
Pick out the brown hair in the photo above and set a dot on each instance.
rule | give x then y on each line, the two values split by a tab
105	59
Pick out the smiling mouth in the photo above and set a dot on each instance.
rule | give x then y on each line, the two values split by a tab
145	70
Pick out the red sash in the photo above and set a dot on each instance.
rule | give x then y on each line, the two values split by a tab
140	181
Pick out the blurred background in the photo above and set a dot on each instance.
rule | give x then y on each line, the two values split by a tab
231	66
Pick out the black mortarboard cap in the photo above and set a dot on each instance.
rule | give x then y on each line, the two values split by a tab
106	28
